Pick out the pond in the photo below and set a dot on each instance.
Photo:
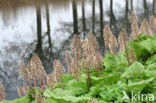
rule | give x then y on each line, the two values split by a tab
46	27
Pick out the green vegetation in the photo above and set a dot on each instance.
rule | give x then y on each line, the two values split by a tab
108	85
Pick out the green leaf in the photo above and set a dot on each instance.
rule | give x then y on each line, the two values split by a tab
78	87
148	44
50	100
133	71
142	37
121	59
144	46
58	92
152	67
111	93
106	78
115	63
5	101
67	77
25	99
151	60
138	51
95	90
109	62
66	98
151	70
138	86
150	73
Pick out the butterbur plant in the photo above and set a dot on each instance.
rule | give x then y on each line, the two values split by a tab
90	47
40	72
131	56
145	28
112	44
77	47
51	80
75	68
92	101
122	39
107	34
2	92
133	17
24	74
134	26
39	98
91	56
32	72
99	63
34	75
135	30
22	90
153	23
77	55
88	80
69	62
58	71
110	40
92	78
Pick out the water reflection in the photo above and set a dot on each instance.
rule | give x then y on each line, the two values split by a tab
47	27
83	18
93	16
75	18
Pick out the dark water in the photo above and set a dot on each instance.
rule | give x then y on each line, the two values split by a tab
47	28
